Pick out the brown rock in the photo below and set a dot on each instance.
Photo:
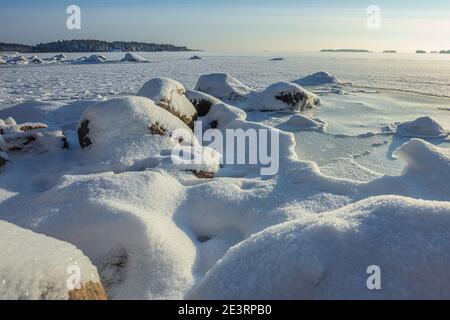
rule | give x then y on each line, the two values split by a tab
89	291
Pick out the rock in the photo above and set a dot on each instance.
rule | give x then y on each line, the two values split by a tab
37	267
195	58
170	95
88	291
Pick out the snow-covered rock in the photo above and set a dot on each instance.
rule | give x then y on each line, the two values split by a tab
36	59
21	60
109	123
278	96
318	78
37	267
328	256
170	95
283	96
2	61
424	127
213	113
133	57
60	57
96	58
3	155
133	132
31	137
222	86
302	122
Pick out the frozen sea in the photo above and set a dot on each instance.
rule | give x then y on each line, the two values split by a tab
381	89
368	193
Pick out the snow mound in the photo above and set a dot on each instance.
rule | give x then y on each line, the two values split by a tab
133	57
424	127
318	78
303	122
327	256
170	95
222	86
36	267
278	96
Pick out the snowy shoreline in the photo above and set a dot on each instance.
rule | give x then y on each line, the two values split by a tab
98	176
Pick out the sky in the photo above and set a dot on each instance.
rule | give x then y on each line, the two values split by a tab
236	25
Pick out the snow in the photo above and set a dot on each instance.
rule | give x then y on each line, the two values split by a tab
318	78
326	256
94	58
36	267
155	230
170	95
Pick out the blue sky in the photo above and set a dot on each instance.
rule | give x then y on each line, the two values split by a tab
235	25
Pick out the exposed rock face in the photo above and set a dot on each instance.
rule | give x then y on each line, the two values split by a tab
170	95
83	134
89	291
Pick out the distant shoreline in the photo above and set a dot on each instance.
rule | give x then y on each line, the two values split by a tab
71	46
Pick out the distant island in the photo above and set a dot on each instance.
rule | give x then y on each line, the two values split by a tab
345	50
389	51
445	52
421	51
90	46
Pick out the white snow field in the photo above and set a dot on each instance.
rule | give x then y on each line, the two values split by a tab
363	180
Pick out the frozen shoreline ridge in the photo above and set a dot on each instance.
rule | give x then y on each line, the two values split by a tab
96	178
